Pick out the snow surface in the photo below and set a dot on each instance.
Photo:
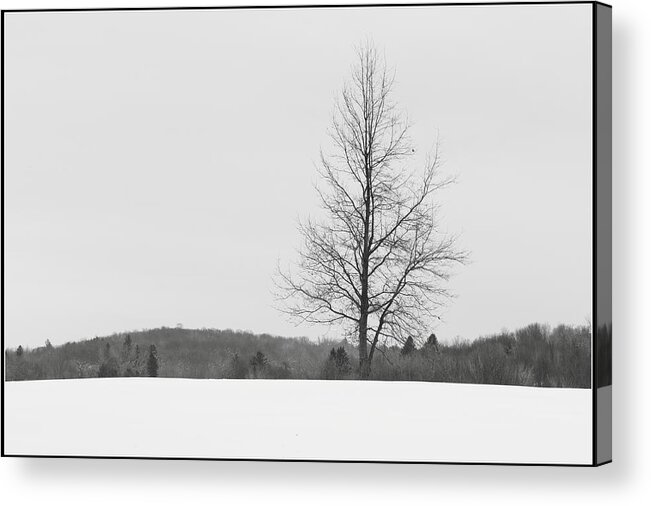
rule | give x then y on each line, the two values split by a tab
345	420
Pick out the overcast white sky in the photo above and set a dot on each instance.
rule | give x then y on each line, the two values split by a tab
156	162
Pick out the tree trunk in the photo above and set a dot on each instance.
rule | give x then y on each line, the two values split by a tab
364	363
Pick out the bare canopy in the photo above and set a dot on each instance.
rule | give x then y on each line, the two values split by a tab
377	264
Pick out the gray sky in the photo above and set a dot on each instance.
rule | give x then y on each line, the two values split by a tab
156	162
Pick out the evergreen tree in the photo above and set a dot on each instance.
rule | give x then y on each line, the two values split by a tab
432	344
127	357
109	367
258	363
127	345
409	347
137	362
237	369
152	362
338	364
19	351
432	341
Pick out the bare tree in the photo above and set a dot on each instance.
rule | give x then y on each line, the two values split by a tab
377	263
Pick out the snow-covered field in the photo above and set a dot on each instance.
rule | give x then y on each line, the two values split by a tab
345	420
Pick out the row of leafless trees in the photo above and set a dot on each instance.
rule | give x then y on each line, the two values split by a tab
534	355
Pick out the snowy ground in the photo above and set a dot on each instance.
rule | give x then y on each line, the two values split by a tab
345	420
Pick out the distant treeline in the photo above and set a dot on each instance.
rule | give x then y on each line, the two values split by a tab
534	356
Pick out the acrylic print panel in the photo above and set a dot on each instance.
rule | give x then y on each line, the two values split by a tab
270	234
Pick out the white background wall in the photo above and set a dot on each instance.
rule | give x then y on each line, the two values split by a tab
626	481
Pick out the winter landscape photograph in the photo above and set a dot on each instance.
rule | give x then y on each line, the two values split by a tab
288	233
